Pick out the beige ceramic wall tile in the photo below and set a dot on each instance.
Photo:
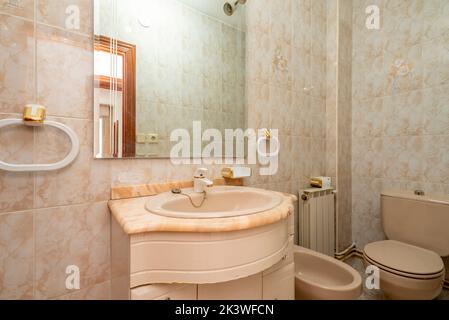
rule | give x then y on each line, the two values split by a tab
331	89
284	172
302	24
301	66
403	23
17	191
334	129
318	28
281	21
434	16
368	157
281	109
436	62
365	211
65	75
258	61
370	80
138	172
16	188
301	105
257	15
318	73
65	236
96	292
368	118
318	157
404	68
435	158
23	8
434	110
282	71
398	138
85	180
16	63
16	255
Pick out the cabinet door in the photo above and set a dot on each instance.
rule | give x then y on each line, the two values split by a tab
188	292
288	259
280	284
165	292
242	289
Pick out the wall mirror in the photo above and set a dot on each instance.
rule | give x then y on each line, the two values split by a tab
163	65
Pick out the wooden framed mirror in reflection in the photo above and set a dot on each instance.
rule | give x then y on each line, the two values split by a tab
115	98
161	66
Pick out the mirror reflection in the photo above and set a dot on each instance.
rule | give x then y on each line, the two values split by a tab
160	66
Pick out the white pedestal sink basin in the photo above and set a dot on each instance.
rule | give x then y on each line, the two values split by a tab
220	202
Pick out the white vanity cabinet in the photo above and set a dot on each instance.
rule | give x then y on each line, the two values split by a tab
249	288
276	285
279	280
280	284
165	292
249	264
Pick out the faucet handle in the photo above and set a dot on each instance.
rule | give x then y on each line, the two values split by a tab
200	173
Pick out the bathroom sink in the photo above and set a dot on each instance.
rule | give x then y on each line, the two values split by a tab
220	202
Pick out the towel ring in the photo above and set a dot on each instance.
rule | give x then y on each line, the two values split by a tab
43	167
266	139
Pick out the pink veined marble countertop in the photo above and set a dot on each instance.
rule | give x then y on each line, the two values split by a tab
134	218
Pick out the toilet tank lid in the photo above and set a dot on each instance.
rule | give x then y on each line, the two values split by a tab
410	195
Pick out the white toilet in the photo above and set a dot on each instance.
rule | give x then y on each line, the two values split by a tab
410	263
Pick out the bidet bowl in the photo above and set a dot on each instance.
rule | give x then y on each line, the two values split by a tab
220	202
319	277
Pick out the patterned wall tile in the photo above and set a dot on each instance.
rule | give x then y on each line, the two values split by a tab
71	236
16	255
398	136
16	63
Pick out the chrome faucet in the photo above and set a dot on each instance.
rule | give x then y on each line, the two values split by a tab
200	182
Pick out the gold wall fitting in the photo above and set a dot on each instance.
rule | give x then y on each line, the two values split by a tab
34	115
268	134
321	182
227	173
236	173
316	183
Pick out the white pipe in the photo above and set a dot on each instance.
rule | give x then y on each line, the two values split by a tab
352	247
43	167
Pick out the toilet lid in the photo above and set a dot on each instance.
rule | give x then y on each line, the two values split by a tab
404	257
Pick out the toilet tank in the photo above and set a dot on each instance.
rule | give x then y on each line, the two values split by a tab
422	221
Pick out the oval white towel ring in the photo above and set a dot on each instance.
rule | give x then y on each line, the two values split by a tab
43	167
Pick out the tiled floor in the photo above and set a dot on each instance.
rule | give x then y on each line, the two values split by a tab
367	294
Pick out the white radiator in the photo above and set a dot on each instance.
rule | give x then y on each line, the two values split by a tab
316	220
